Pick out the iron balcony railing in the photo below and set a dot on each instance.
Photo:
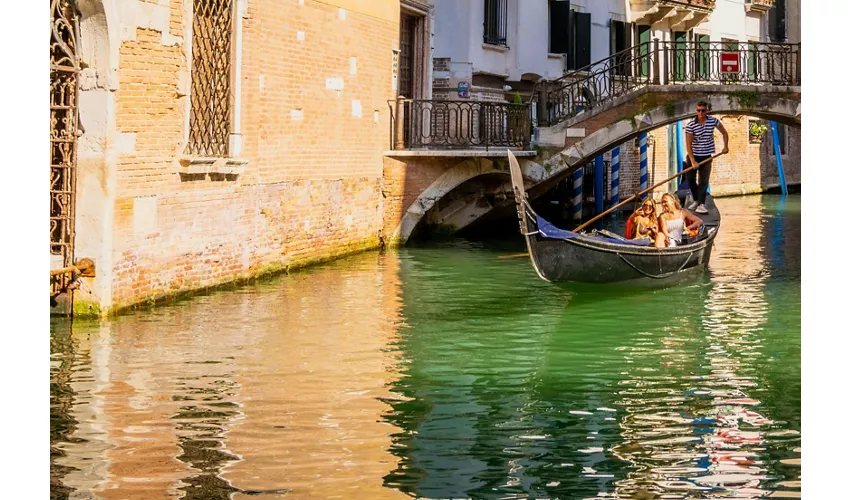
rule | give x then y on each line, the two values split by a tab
720	62
667	63
418	124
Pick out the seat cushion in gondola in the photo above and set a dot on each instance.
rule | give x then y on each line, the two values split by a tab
548	230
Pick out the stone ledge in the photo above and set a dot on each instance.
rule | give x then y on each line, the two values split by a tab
458	153
200	165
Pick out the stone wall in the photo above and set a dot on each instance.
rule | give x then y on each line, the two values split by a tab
315	80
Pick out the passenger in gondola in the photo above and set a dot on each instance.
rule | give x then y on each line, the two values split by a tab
674	222
645	221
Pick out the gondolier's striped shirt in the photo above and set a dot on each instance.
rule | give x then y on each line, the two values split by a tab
703	143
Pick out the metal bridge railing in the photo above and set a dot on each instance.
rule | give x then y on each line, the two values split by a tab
667	63
416	123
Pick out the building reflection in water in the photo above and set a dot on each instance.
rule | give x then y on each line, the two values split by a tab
273	389
695	431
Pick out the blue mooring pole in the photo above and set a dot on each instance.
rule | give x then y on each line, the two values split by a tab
599	202
615	177
643	176
578	175
777	150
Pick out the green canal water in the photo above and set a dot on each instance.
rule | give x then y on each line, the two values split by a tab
447	371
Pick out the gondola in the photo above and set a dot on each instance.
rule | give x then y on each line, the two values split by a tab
602	257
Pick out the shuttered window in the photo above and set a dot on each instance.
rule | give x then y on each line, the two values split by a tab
644	35
496	22
559	26
703	57
581	40
776	22
621	35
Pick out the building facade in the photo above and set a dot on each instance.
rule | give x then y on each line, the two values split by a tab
511	44
197	142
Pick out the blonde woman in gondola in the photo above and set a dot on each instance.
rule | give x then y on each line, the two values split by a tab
645	221
673	222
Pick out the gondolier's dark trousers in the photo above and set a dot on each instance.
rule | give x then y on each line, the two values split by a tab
698	190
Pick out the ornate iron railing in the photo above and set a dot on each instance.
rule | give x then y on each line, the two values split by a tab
209	118
592	85
458	124
64	93
667	63
747	63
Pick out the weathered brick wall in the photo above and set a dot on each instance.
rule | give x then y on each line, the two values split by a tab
752	167
311	187
748	168
404	179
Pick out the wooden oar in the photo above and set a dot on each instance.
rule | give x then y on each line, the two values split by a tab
514	256
632	197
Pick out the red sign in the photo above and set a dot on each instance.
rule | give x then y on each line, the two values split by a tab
729	62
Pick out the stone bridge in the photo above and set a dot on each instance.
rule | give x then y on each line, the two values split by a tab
457	192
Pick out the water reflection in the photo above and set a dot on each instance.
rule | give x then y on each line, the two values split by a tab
447	372
271	390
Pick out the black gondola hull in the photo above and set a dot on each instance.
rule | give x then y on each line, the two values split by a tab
583	260
570	258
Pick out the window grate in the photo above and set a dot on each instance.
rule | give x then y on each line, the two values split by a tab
496	22
64	92
209	118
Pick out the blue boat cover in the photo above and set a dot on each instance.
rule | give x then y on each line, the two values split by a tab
547	230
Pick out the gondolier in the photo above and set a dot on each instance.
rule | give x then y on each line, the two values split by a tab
699	137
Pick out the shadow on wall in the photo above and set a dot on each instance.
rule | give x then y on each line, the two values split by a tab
789	145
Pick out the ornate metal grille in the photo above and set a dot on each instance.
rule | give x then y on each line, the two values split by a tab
405	67
64	90
209	119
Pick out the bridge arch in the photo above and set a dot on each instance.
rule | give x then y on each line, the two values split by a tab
770	107
443	185
781	109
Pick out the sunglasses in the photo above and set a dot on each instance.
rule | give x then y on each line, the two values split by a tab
702	110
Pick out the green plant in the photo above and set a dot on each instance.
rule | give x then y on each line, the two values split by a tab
670	108
757	131
517	98
745	98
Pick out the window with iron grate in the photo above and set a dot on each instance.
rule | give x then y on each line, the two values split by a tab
496	22
210	94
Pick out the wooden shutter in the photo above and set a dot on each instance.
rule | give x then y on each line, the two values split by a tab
703	57
582	39
559	27
644	35
776	23
620	37
680	53
625	41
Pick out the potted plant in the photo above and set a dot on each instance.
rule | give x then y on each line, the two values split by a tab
757	131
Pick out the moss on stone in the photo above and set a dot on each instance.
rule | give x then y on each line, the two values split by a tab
670	108
745	98
262	273
85	309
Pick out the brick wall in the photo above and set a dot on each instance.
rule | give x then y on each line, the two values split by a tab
311	187
404	179
747	169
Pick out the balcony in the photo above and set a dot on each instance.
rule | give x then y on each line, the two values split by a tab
758	5
681	14
431	125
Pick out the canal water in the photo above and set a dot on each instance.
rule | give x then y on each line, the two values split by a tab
447	371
